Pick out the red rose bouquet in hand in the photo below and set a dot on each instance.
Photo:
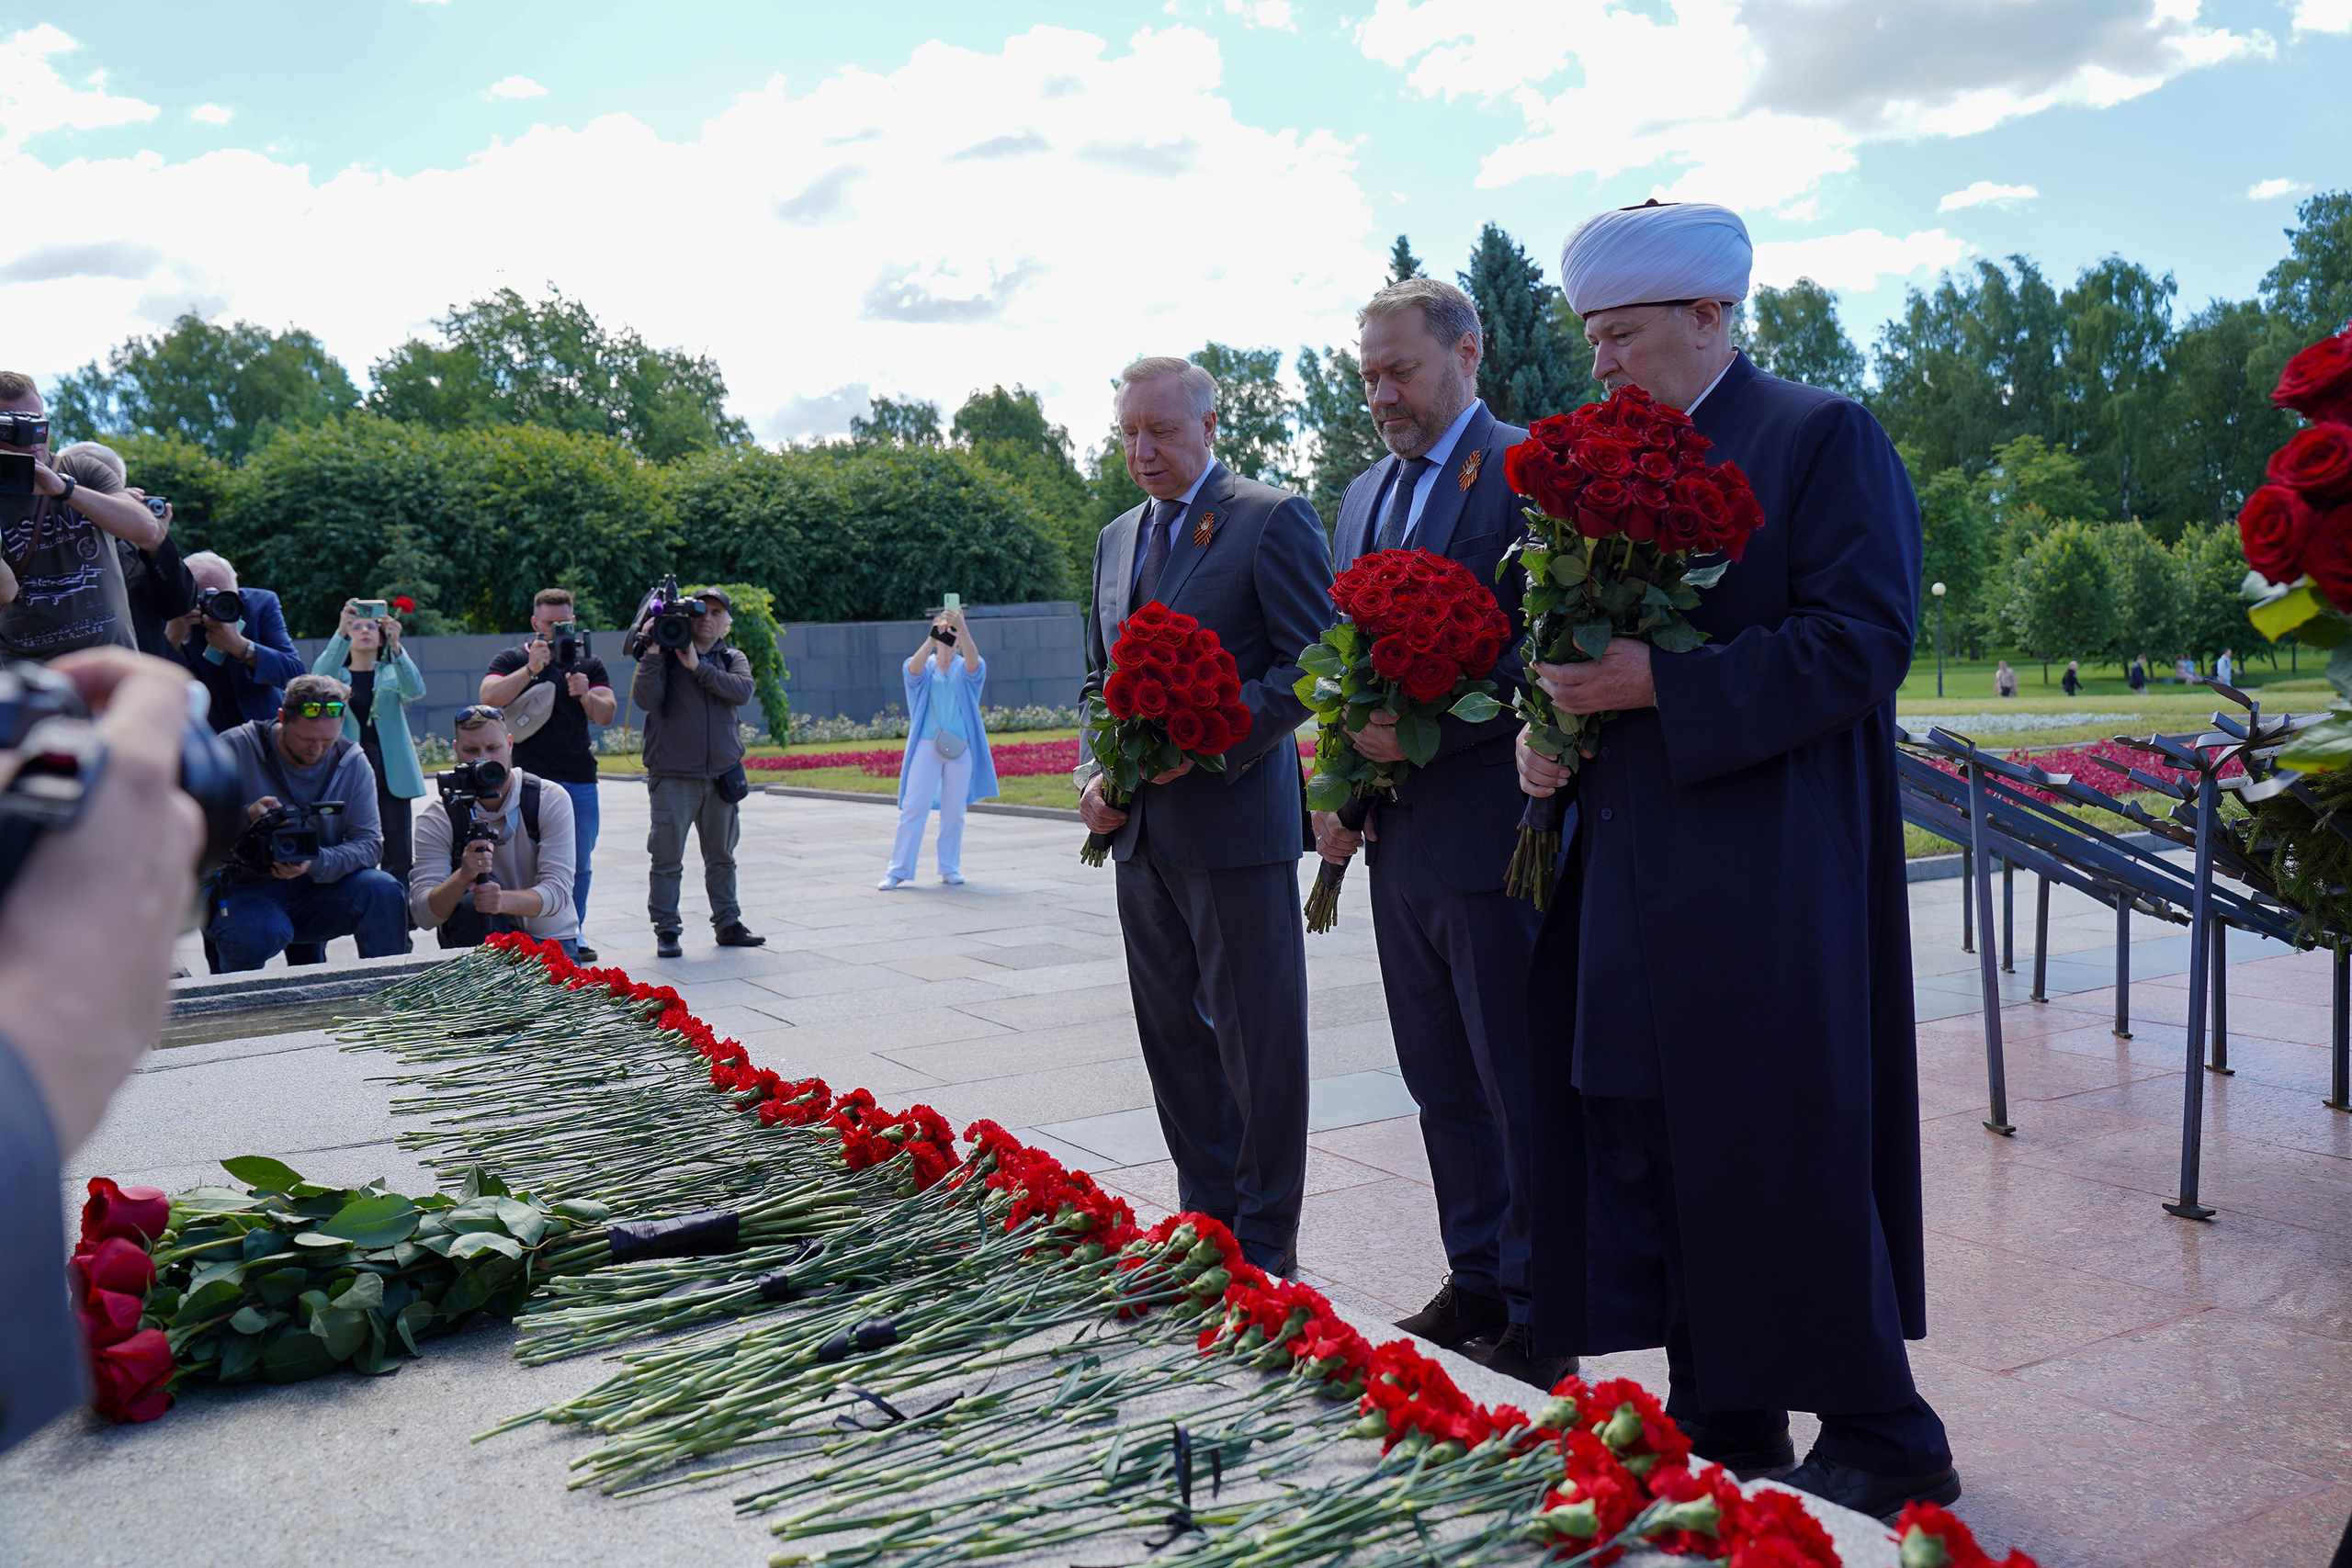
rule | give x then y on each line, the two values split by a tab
1170	695
1623	499
2297	535
1421	637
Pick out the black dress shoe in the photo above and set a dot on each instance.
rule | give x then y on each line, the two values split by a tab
733	935
1881	1497
666	945
1746	1454
1283	1265
587	953
1512	1353
1454	1315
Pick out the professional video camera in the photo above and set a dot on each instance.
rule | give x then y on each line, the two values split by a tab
671	622
225	606
283	834
45	722
465	790
17	467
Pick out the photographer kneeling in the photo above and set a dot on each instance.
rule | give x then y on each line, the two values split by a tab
507	864
305	871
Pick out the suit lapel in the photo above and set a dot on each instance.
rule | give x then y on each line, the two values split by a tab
1214	499
1119	572
1356	519
1435	531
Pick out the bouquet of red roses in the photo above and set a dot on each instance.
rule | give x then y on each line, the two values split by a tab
1171	694
1623	499
2297	533
1421	637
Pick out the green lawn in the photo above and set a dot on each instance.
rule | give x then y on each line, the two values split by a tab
1971	681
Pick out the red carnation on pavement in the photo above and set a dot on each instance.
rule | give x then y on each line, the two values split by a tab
1926	1523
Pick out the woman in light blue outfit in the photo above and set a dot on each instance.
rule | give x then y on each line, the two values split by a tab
947	763
367	656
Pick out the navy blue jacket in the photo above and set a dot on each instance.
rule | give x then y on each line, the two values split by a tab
1745	889
238	697
1263	583
1466	803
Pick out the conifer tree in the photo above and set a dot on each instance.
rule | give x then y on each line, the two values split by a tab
1532	367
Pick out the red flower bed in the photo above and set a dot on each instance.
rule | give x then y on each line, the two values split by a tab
2102	766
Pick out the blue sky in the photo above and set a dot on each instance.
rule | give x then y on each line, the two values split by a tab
839	200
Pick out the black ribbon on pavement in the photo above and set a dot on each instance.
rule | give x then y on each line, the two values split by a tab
698	1234
1180	1523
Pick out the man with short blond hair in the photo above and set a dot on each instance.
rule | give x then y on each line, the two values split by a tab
1207	863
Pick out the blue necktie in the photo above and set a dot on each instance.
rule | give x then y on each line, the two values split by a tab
1156	546
1401	509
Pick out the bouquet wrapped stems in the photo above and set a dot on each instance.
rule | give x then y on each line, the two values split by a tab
1323	898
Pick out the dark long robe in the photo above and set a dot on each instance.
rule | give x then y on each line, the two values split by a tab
1740	916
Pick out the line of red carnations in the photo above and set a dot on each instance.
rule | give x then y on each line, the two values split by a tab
2300	524
1078	1213
1431	621
1636	467
1170	672
110	1272
1930	1535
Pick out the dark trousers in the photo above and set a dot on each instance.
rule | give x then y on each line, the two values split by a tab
1454	968
1632	1197
260	919
1216	963
679	803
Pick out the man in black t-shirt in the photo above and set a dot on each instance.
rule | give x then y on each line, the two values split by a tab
558	751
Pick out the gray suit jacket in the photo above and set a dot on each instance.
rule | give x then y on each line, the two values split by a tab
1466	802
1263	583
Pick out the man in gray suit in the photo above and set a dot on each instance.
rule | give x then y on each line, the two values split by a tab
1453	947
1208	863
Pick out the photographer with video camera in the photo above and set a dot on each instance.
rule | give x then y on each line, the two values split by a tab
97	862
234	642
59	522
304	870
689	684
494	852
553	689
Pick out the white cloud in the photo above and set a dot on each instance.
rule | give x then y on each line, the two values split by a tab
211	114
1854	261
2323	16
989	216
2264	190
1280	15
1752	102
1984	192
35	98
516	87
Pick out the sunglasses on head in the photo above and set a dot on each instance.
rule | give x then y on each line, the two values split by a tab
315	710
479	714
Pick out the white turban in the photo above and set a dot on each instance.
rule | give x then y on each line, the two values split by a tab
1660	251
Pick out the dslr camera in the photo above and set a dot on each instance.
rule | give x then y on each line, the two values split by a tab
225	606
283	834
61	758
466	790
664	619
566	647
17	467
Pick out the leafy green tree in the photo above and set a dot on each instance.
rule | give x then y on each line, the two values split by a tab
223	389
847	532
894	421
752	609
1335	424
2147	586
1971	365
2211	566
196	482
1794	334
1402	262
1253	413
2217	420
1009	432
2310	292
1959	553
2115	331
2061	598
2029	484
1114	488
1534	365
506	360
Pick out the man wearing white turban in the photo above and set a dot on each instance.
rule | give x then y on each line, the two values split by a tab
1729	1084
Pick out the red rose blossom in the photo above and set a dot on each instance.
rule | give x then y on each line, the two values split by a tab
2317	383
1185	729
2327	555
1119	694
2316	461
1215	735
109	1318
138	1213
1151	697
114	1264
133	1377
1431	678
2272	528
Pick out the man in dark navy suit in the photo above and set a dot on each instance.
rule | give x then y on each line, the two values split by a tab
1725	1067
1208	861
1453	948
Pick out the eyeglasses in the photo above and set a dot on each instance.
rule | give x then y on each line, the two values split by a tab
478	715
315	710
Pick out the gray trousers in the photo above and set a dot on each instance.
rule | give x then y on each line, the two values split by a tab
679	802
1216	963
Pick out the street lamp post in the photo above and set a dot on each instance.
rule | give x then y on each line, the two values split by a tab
1938	590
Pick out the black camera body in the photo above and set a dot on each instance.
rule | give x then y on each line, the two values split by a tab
24	429
566	645
285	835
466	789
665	619
225	606
61	758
